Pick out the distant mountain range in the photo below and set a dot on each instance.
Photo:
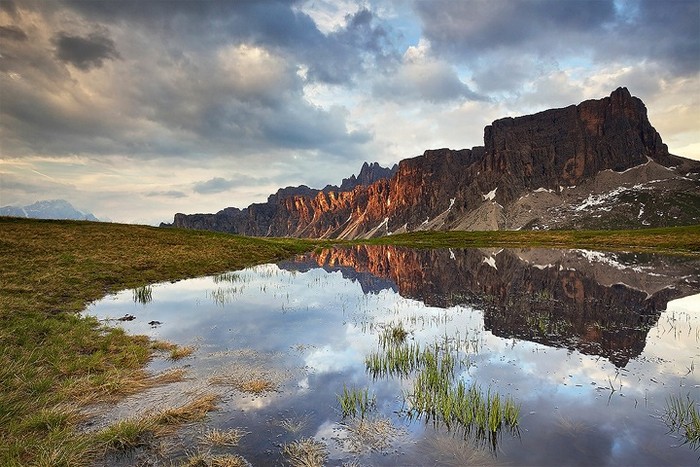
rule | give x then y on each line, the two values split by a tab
598	164
49	209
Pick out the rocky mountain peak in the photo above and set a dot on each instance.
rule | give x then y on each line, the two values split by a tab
369	173
545	170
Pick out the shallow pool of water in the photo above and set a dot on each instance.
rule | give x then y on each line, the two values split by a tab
590	345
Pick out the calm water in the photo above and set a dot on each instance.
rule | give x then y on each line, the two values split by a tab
589	344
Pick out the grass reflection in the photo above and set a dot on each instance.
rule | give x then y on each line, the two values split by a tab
682	416
143	295
438	394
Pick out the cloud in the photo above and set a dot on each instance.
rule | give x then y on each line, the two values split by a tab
13	33
422	77
604	30
279	25
167	194
662	32
9	7
178	91
85	52
214	185
472	27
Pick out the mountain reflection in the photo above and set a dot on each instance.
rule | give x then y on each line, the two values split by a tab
597	303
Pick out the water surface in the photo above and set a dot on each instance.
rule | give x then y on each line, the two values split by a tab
589	344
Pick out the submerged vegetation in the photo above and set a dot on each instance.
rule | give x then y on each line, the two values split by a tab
439	394
143	294
354	402
305	453
682	416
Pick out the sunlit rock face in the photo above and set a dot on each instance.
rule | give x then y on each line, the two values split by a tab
598	304
599	164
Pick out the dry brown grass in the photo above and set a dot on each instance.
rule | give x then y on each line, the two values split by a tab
228	460
306	453
230	438
178	353
190	412
163	346
115	384
128	434
252	374
370	434
256	386
205	459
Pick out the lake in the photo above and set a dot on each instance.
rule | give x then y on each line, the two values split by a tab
589	345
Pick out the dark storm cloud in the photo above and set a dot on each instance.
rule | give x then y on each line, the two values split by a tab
480	25
85	52
660	31
346	50
195	79
13	33
9	7
334	58
666	32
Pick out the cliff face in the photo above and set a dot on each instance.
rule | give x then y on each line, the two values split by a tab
559	152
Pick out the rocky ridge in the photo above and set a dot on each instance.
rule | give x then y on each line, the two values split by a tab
598	164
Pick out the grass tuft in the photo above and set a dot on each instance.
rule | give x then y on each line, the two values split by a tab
178	353
126	435
682	415
354	402
306	453
228	438
190	412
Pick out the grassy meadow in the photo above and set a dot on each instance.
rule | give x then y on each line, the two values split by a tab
54	362
670	240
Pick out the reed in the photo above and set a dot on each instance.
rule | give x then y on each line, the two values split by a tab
143	294
681	415
436	395
476	412
354	402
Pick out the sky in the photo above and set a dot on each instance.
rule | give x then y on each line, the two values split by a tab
137	109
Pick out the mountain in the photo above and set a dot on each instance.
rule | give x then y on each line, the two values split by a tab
286	210
369	173
598	164
48	209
